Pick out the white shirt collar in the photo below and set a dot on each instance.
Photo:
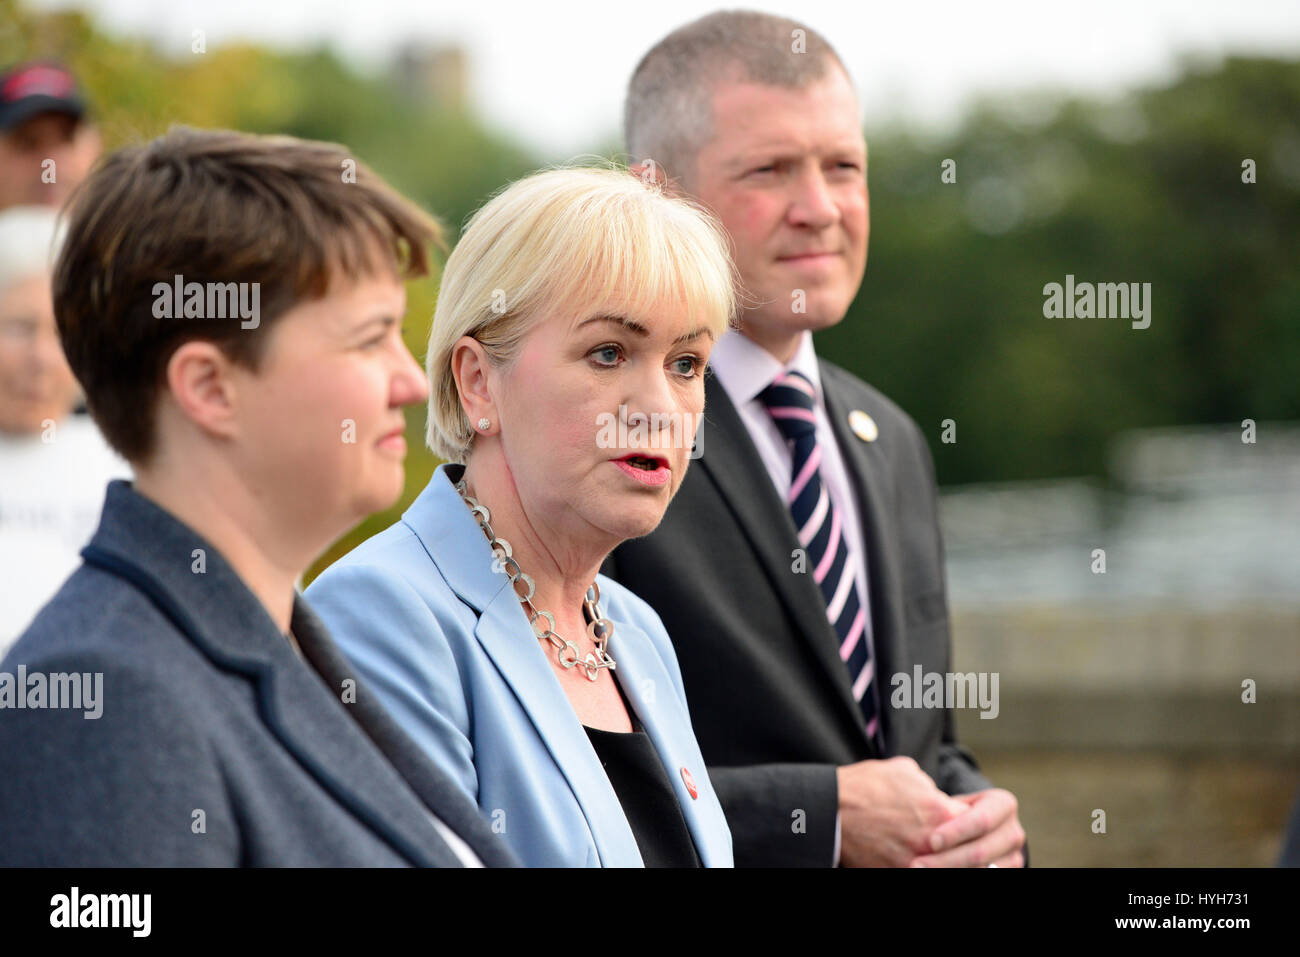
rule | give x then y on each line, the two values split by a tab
745	368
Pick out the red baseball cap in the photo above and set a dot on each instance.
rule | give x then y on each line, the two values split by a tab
32	88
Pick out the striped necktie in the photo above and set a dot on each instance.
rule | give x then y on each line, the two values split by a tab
789	400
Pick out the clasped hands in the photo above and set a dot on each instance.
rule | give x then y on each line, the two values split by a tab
893	815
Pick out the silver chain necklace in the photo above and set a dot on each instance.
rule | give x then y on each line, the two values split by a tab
599	629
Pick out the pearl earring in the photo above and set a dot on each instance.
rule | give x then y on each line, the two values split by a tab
484	424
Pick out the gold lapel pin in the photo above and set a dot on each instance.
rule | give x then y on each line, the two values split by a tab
863	425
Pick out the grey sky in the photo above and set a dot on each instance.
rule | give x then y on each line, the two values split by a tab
551	72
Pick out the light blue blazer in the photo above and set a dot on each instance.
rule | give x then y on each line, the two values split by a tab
442	640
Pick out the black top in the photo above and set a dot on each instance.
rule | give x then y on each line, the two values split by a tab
647	796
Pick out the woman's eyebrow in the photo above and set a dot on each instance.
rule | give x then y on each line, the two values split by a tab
702	331
633	326
629	324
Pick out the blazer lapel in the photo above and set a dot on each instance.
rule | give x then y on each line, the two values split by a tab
734	465
433	788
458	548
649	689
504	633
870	472
307	716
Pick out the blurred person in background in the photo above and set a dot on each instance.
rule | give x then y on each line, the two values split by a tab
54	464
47	142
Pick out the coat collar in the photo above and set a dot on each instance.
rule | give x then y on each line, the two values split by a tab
453	540
196	588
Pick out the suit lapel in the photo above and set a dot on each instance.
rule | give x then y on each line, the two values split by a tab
870	474
741	478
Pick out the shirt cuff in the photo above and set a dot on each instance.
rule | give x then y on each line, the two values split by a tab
835	861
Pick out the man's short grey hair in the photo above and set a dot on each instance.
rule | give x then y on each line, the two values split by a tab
667	116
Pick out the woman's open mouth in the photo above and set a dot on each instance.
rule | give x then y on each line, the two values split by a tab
646	469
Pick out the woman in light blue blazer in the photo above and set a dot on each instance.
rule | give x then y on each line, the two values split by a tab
566	364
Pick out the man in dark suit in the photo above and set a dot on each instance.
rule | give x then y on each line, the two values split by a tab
800	567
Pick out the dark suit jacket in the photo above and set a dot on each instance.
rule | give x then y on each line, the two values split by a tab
770	698
206	708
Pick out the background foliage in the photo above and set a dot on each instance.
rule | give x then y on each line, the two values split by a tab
1147	188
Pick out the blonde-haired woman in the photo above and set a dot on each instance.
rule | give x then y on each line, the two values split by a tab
566	367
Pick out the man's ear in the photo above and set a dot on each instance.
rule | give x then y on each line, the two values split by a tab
650	171
200	383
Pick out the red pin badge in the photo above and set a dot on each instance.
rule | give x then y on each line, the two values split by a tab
690	784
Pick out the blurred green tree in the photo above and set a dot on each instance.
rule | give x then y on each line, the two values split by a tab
1145	188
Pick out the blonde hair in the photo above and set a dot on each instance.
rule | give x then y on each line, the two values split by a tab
572	236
